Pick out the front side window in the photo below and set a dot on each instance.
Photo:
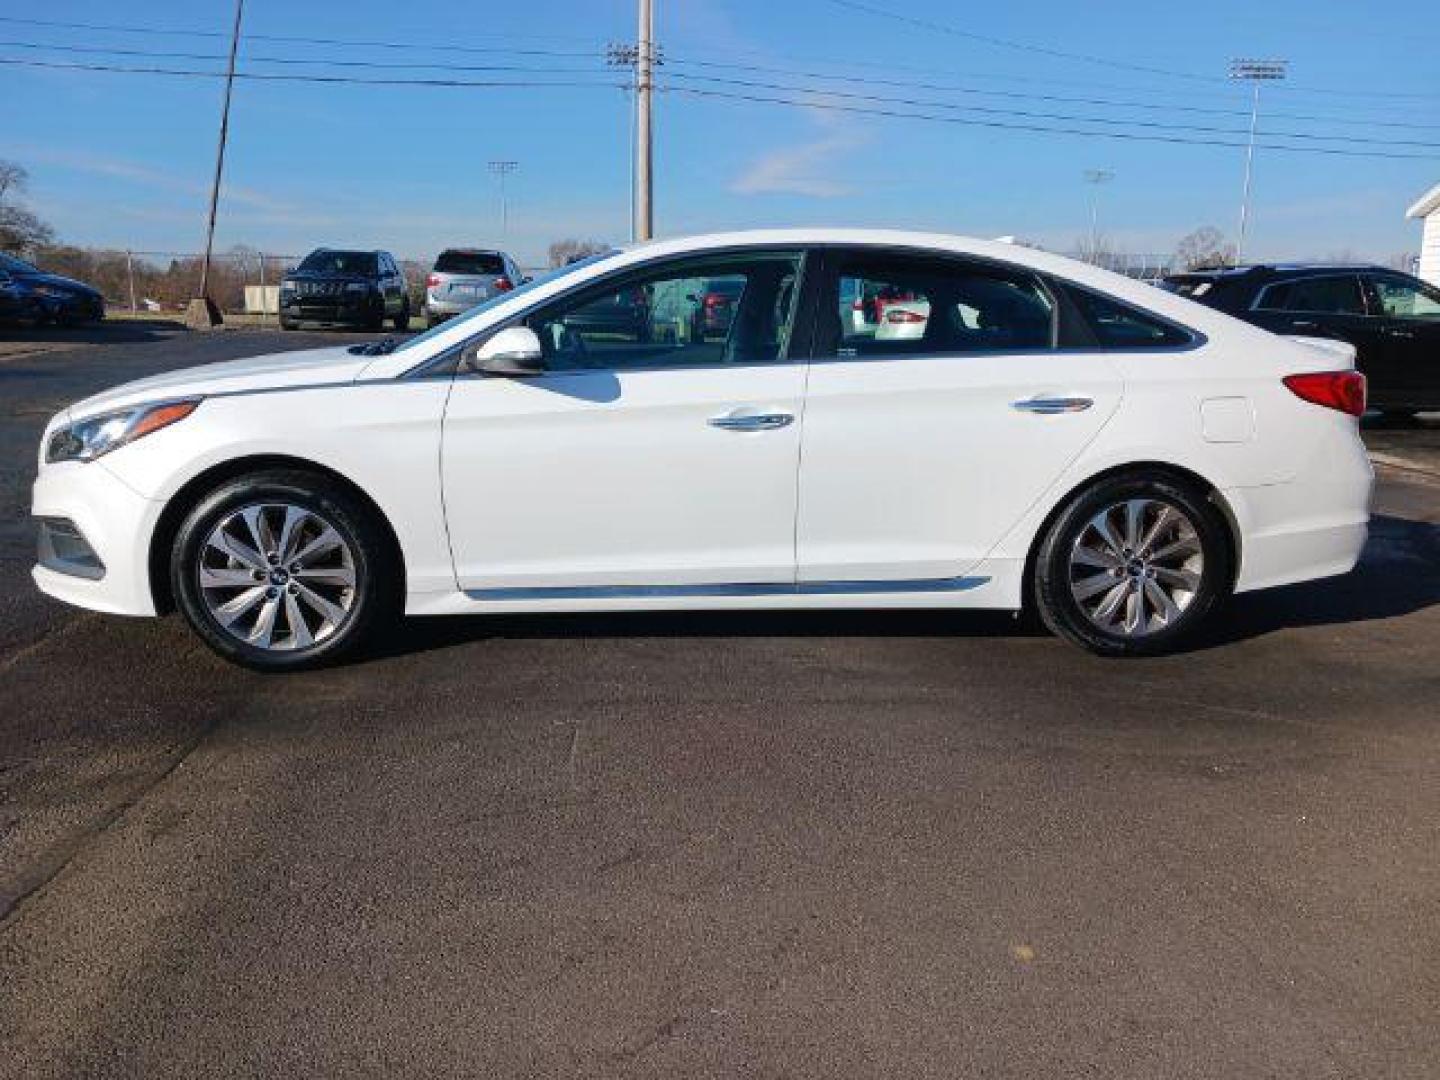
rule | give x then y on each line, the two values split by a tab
894	306
1401	299
728	309
1120	326
1339	295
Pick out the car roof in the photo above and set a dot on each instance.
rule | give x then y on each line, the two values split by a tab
1275	268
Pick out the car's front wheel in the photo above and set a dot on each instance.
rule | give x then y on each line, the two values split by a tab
1133	565
402	321
283	569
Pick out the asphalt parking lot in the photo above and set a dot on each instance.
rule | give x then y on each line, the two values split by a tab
822	845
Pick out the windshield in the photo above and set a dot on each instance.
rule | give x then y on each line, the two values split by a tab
500	298
340	262
11	265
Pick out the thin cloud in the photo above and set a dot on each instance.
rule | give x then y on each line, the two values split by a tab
806	169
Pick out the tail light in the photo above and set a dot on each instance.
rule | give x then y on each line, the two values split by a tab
432	281
502	284
858	305
901	316
714	300
1342	390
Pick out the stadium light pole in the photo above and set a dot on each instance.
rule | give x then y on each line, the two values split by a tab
1096	177
210	315
502	169
1254	72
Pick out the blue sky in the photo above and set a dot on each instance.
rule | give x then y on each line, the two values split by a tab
124	159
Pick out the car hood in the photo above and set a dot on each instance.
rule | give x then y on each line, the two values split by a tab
59	282
310	367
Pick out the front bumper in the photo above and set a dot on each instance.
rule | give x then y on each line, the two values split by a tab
116	525
333	309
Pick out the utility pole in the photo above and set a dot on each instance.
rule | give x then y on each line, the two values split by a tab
1096	177
502	169
130	277
211	312
1254	72
644	175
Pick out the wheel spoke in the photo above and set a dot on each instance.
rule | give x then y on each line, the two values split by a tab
289	532
1184	579
1092	586
212	578
254	519
1101	524
328	540
300	635
1183	545
333	613
1110	606
1135	609
235	549
1091	556
264	629
332	575
1134	520
1157	527
236	606
1164	606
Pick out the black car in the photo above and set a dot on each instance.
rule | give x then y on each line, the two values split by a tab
29	293
358	288
1392	319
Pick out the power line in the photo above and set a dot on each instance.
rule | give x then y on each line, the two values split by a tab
1036	128
1034	115
808	103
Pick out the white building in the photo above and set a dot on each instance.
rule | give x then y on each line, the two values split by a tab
1427	209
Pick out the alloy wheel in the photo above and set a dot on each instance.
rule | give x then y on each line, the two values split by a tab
1136	566
277	577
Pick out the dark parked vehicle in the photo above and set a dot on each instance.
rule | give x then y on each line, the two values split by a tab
358	288
27	292
625	313
1392	319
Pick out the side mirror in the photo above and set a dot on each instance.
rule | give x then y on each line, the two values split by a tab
514	351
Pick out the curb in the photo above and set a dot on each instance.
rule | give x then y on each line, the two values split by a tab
1406	464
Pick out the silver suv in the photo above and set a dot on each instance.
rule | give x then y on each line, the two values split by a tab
463	277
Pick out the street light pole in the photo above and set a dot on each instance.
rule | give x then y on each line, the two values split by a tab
220	154
1254	72
503	169
1096	177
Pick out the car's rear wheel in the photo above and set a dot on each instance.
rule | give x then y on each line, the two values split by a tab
1133	566
402	321
281	570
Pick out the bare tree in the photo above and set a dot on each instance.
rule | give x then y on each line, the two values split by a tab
20	230
13	177
1204	249
567	251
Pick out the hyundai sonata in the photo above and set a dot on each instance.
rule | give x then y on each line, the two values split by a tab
1053	436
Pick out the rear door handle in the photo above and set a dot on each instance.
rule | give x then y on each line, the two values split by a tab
1401	333
752	421
1052	406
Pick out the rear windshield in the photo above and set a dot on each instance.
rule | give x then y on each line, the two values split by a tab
340	262
469	262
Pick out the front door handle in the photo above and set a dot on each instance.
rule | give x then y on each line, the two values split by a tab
1052	406
752	421
1400	333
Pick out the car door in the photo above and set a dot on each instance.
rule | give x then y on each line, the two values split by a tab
1325	305
1409	314
931	429
641	461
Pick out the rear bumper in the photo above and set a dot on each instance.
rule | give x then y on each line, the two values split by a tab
1311	527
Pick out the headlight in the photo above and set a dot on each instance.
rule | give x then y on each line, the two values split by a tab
358	286
287	286
88	439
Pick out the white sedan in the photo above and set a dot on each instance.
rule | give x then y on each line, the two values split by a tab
1055	436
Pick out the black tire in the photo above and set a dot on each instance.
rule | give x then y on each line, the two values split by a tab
402	321
1052	592
431	321
377	594
288	324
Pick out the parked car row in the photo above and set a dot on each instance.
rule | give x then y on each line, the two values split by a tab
28	294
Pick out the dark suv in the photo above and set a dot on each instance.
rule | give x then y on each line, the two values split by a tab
1392	319
361	288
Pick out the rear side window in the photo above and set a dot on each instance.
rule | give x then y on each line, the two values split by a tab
901	306
469	262
1120	326
1337	295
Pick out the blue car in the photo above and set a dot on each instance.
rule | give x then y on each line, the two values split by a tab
28	293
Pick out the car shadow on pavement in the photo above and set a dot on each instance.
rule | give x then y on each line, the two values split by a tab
1398	574
119	332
